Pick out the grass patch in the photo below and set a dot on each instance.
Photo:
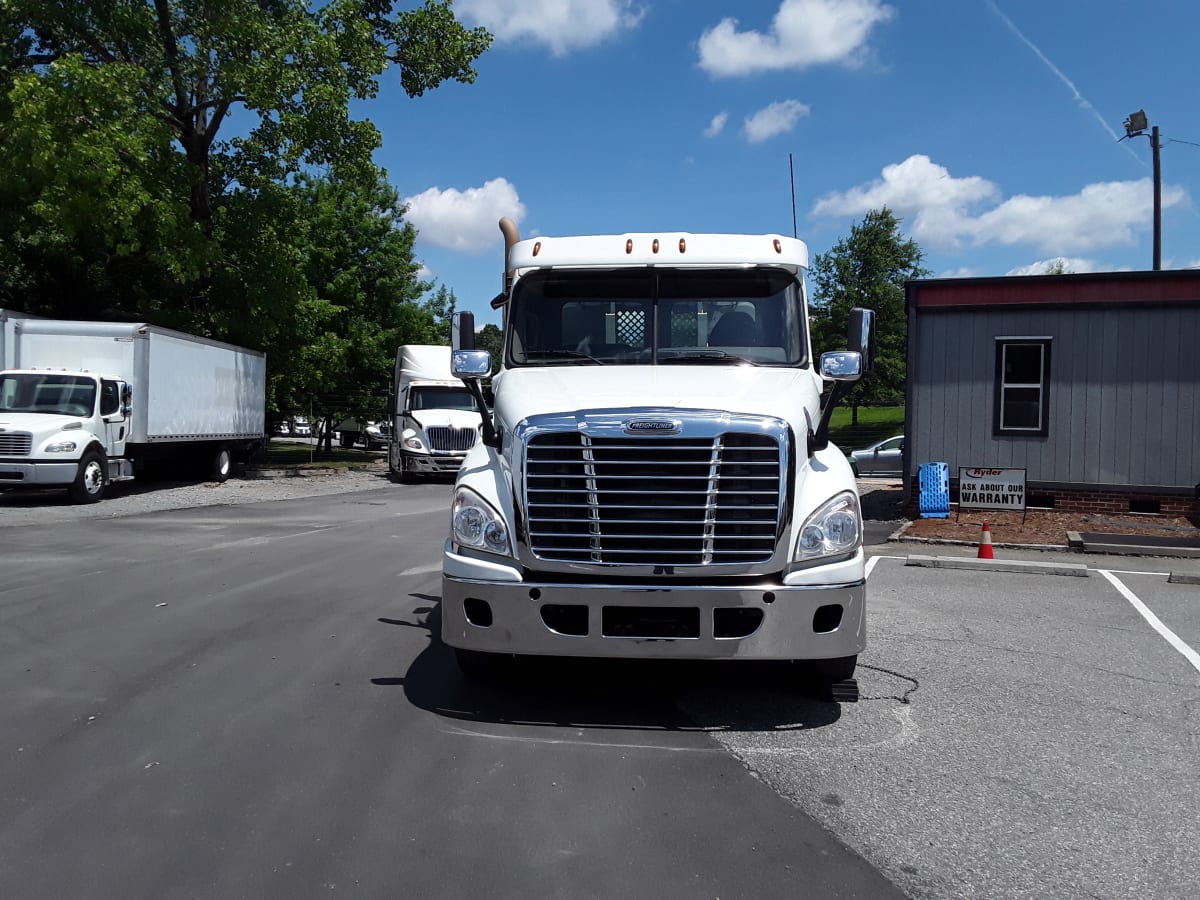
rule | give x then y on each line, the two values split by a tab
288	455
875	423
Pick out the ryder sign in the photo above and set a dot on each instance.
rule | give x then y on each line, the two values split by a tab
991	489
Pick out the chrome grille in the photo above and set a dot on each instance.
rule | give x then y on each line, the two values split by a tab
442	438
674	501
15	443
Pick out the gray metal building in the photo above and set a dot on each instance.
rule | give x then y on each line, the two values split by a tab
1091	383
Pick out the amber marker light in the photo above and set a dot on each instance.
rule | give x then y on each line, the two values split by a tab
778	246
682	246
537	248
654	246
629	246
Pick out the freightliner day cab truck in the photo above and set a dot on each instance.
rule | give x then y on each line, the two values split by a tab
435	420
656	479
85	404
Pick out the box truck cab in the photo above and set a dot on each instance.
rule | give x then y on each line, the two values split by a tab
85	404
656	479
435	419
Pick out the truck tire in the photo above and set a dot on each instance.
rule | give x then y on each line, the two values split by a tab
837	669
407	475
222	465
88	486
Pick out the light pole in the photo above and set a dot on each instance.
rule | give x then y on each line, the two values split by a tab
1135	126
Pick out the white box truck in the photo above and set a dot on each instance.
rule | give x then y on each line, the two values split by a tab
84	404
656	479
434	417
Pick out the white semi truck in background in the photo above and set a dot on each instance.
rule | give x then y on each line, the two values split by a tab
434	417
85	404
656	479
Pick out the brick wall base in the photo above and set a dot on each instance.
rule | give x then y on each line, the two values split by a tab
1090	502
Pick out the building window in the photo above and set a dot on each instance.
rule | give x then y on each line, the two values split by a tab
1022	387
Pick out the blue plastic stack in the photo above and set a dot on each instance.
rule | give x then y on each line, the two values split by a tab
935	490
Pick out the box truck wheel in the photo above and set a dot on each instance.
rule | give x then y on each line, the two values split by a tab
222	464
88	486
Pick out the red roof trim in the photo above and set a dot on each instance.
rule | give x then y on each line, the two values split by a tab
1107	287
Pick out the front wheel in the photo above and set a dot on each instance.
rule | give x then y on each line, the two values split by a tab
88	486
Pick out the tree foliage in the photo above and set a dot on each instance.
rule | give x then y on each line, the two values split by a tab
197	165
868	269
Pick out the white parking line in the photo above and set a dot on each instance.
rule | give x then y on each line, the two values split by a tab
1171	637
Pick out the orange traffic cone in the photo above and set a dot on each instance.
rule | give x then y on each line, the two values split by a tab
985	543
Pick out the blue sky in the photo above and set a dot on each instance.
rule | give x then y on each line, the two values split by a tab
990	128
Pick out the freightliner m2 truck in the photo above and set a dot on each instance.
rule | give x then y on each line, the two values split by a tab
435	420
85	404
656	478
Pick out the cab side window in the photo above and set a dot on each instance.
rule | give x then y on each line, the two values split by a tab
110	398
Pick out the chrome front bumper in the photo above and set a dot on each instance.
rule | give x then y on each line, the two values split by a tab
37	474
613	620
440	462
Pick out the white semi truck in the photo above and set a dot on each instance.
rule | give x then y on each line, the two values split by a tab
85	404
656	479
434	417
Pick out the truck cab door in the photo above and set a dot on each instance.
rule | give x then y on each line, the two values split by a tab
114	412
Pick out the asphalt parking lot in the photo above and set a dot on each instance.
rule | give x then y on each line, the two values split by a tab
252	698
1020	734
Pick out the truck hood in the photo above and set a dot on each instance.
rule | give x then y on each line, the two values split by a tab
789	394
43	426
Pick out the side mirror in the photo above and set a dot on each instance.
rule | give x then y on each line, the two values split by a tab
462	331
861	337
842	365
471	363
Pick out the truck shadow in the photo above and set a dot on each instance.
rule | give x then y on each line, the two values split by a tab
635	695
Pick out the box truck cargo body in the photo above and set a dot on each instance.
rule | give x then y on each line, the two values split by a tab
84	404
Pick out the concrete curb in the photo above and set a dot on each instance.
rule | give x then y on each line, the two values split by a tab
997	565
1183	578
1126	547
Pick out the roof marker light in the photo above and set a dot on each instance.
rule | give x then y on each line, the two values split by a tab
537	248
629	246
778	246
682	245
654	246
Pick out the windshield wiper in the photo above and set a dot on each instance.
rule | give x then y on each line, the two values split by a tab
707	356
562	354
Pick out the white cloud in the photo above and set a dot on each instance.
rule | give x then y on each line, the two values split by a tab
942	210
1070	266
803	33
561	25
464	220
778	118
717	125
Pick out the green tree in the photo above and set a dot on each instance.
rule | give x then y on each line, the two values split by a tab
124	189
491	338
867	269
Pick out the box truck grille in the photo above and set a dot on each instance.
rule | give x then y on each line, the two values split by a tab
15	443
663	501
451	438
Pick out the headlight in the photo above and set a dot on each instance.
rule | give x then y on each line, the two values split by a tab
475	524
413	443
61	447
835	529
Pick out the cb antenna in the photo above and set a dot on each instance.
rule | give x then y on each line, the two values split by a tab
792	177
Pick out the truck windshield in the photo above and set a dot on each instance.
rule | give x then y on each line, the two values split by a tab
441	398
658	317
63	395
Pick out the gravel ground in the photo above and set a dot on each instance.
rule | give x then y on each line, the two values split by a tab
132	498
